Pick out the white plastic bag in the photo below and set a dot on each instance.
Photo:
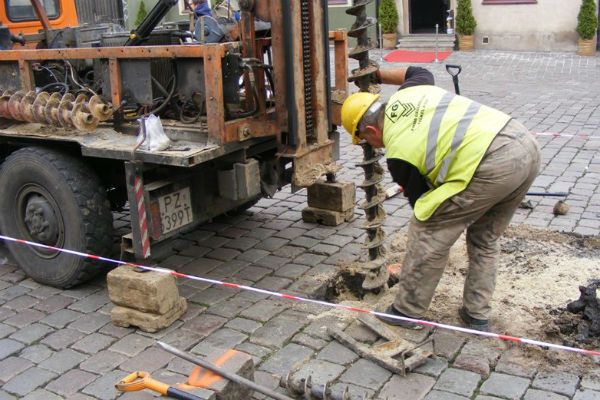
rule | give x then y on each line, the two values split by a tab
156	139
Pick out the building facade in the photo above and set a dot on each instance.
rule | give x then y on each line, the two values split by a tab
535	25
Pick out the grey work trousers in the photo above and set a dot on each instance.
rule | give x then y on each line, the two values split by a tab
484	209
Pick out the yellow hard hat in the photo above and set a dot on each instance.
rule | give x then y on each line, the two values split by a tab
353	109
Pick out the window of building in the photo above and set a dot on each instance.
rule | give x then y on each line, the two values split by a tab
509	2
22	10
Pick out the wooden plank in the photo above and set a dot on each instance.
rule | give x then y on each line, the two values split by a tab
26	75
191	51
340	38
114	71
215	106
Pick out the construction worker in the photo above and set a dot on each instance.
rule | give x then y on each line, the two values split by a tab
463	166
201	8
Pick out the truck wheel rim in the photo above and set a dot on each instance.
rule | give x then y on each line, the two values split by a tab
40	219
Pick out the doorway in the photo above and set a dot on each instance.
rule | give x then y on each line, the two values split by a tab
424	14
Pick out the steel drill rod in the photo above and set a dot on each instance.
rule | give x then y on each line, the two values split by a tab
228	375
557	194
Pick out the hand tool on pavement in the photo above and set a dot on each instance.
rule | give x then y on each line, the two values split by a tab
411	355
557	194
312	391
454	71
141	380
228	375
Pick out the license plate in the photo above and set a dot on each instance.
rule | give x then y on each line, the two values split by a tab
175	210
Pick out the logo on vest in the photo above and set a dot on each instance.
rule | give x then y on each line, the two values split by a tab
399	110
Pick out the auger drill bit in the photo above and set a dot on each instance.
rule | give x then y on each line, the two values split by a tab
376	274
66	111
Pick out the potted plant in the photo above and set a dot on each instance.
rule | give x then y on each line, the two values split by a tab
388	18
587	25
465	25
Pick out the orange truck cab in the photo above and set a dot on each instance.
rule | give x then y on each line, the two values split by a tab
20	18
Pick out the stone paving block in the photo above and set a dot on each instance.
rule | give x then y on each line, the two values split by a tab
42	394
103	362
213	295
252	255
6	396
309	259
243	325
286	359
360	332
272	243
335	352
195	251
477	364
321	324
505	386
488	348
223	254
591	380
557	382
90	323
62	361
355	392
183	340
92	344
587	394
273	283
204	325
534	394
104	387
433	367
253	273
276	332
31	333
222	339
438	395
9	347
91	303
286	252
200	267
24	318
410	387
514	362
36	353
71	382
12	292
242	244
6	330
12	366
291	271
309	341
229	308
61	318
21	303
5	313
264	310
28	381
115	331
366	374
484	397
132	345
148	360
320	372
458	381
257	352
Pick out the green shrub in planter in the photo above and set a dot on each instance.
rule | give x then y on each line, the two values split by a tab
587	20
388	16
465	21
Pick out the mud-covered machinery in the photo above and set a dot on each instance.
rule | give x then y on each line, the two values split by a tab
244	119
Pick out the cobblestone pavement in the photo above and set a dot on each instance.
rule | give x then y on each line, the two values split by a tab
61	344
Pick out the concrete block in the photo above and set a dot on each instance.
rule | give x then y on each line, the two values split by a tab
150	292
326	217
338	196
248	179
148	322
232	361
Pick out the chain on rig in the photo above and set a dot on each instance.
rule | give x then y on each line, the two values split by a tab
376	273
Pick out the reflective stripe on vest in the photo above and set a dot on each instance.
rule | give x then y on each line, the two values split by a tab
443	135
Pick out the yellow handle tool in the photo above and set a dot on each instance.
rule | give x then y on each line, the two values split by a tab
141	380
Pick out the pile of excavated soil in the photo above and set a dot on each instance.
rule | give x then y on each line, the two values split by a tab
539	273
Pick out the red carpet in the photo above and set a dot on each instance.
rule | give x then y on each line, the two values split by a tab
415	56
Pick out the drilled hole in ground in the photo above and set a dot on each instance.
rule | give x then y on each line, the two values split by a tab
347	286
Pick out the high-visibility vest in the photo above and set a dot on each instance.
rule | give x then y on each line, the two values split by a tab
443	135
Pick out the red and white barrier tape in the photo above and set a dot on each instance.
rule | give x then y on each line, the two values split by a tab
305	300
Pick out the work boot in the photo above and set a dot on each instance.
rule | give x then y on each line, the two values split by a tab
473	323
398	322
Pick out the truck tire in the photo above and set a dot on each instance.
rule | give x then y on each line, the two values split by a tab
53	198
